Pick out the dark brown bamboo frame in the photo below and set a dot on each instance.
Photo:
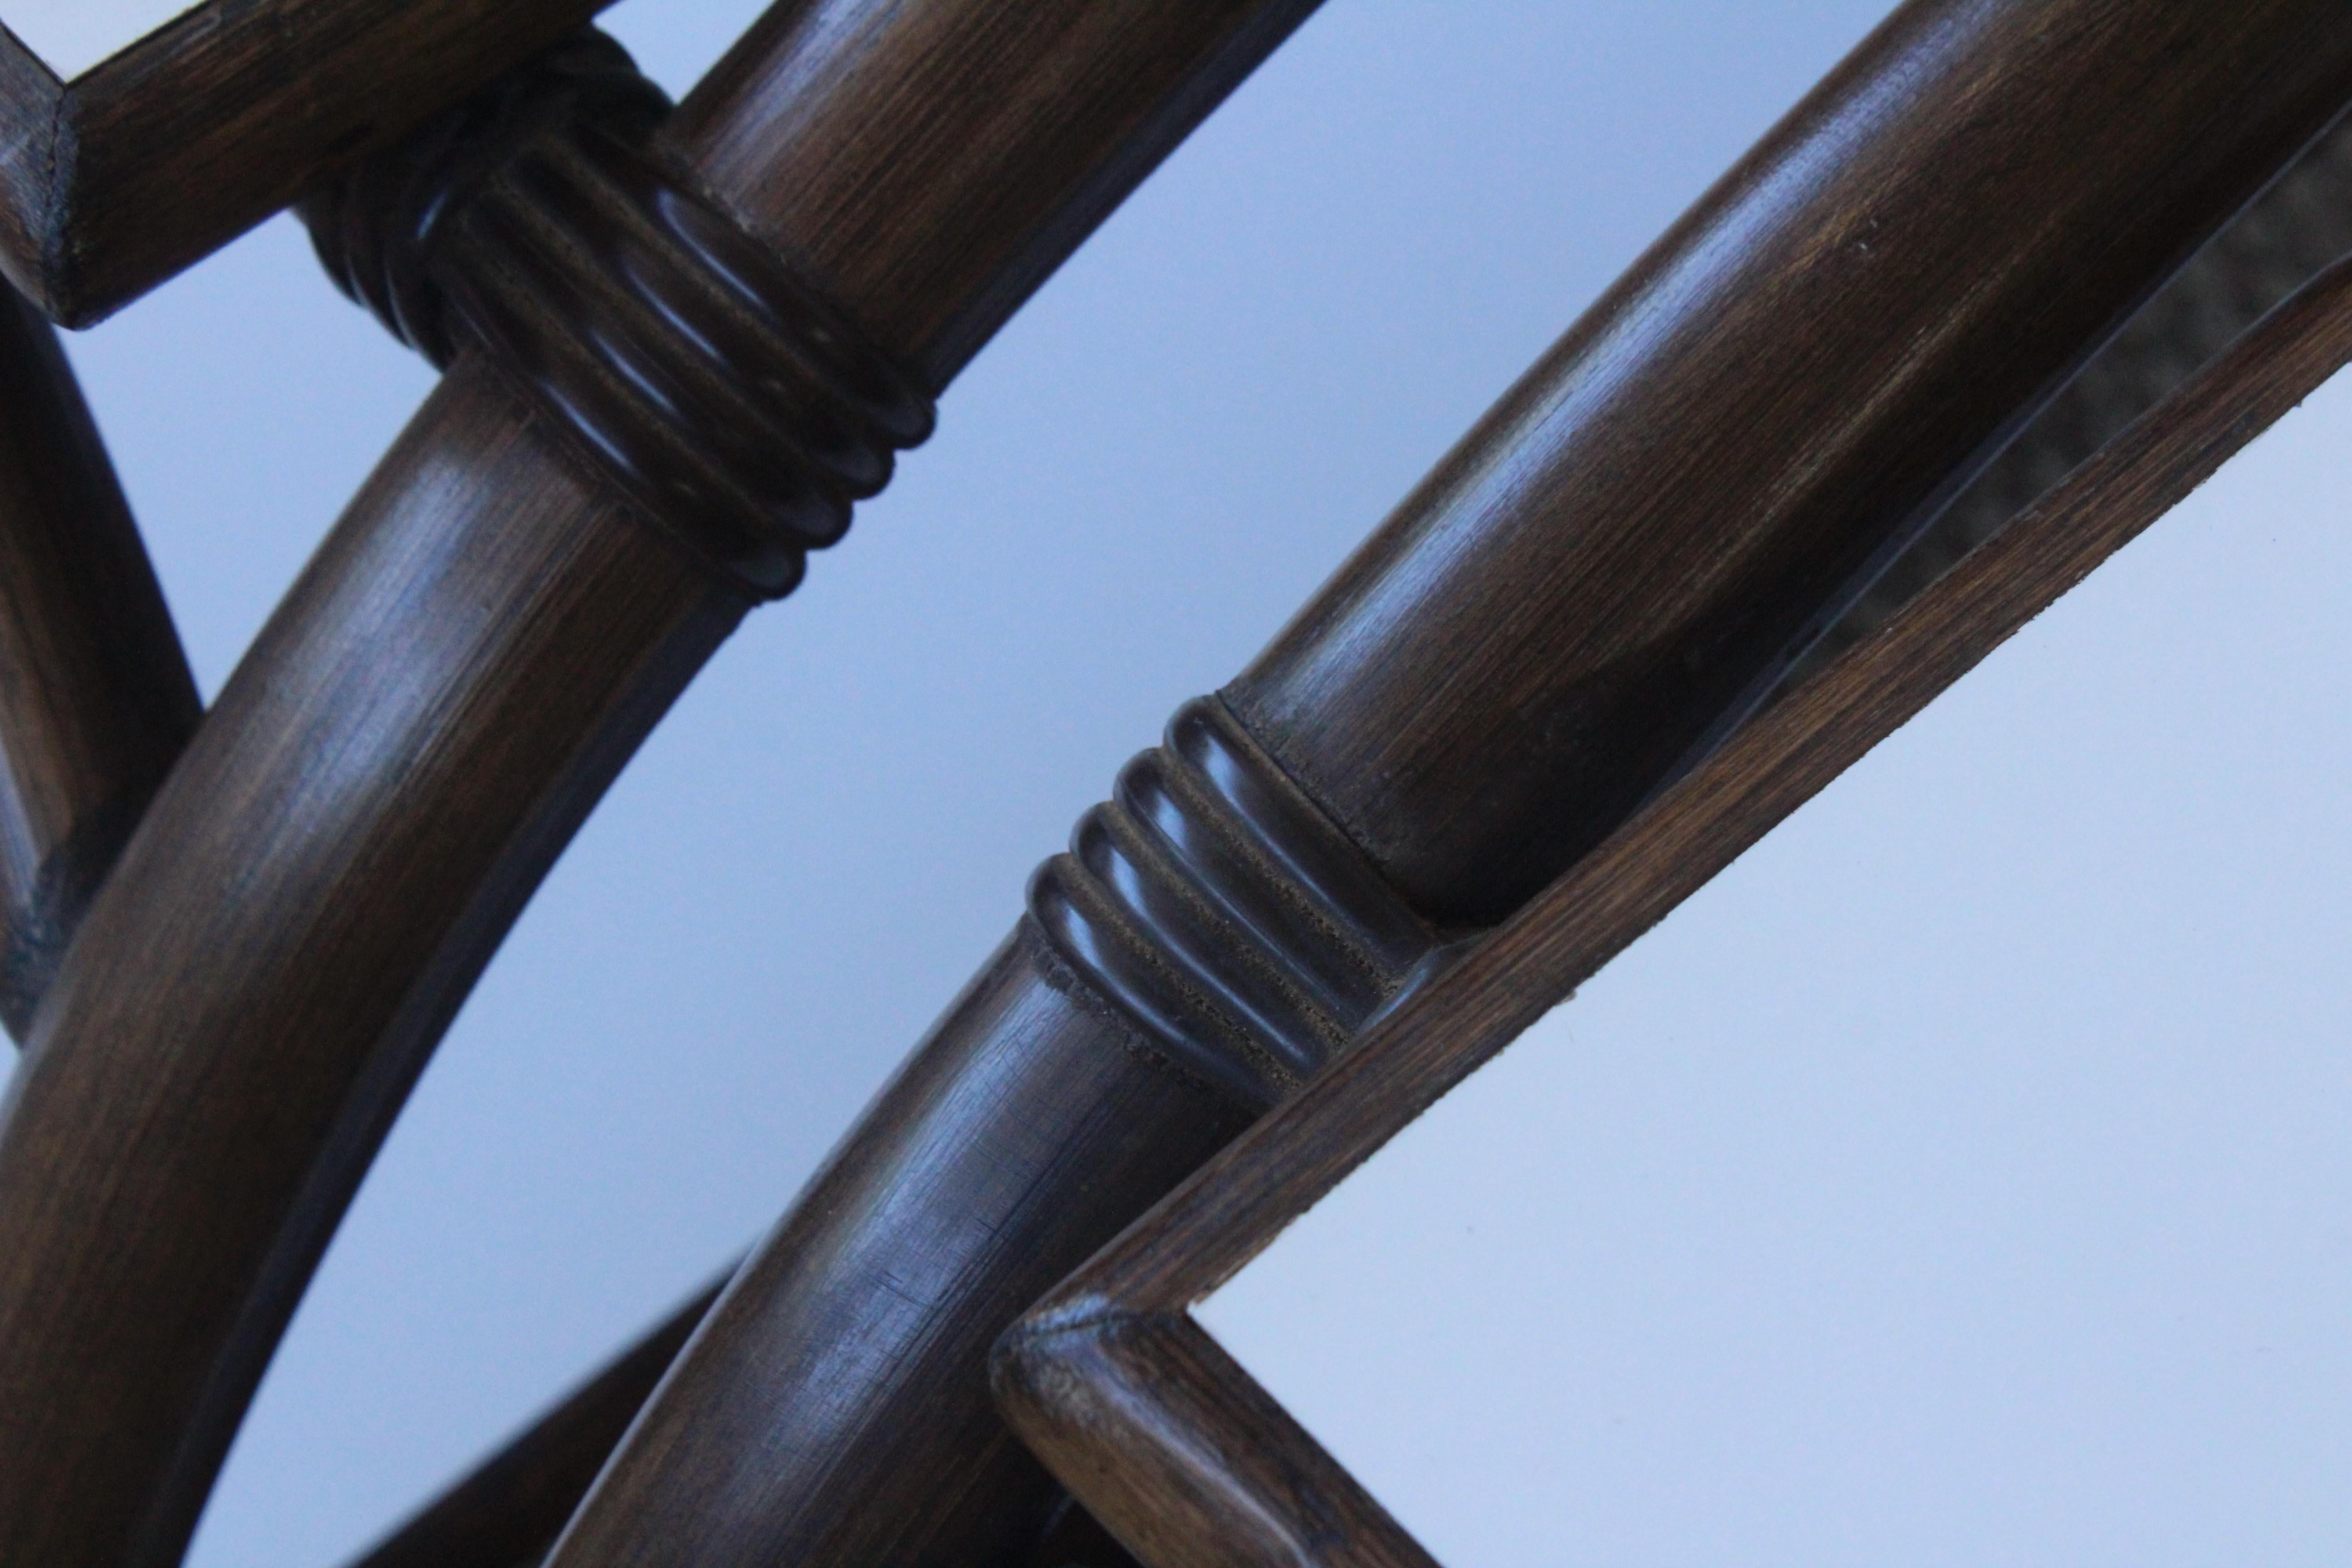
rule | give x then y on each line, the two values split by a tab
2304	219
544	625
920	167
155	157
1168	1439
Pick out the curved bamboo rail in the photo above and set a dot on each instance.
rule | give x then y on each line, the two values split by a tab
480	644
1651	525
1166	1438
2266	253
1554	628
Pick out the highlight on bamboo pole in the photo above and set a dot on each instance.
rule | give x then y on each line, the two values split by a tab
861	193
1788	385
2266	252
96	700
1168	1439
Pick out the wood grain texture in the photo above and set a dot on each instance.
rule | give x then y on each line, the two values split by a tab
1111	1379
1193	858
420	727
1695	479
540	226
507	1511
2296	229
1212	904
1205	944
154	158
1913	192
824	1414
96	700
479	647
29	94
825	133
1165	1436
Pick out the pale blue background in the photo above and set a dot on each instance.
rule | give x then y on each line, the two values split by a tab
71	35
1961	1178
1167	450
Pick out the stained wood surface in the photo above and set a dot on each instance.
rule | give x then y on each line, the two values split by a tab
2295	231
417	732
28	109
157	156
1168	1440
1779	391
508	1510
96	700
849	1355
544	228
1702	471
2262	256
488	634
929	165
480	645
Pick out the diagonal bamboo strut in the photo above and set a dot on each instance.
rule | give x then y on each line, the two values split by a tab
343	848
95	696
1850	321
2278	245
1111	1379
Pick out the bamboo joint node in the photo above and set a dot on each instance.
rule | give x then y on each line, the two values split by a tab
1217	909
542	225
